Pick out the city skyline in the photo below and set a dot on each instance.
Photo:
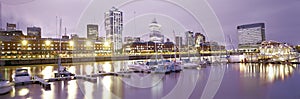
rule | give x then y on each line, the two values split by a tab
278	17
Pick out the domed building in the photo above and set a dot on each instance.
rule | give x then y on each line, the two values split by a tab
155	32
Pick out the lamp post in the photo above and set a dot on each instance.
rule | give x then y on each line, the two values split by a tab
47	47
106	46
71	45
24	44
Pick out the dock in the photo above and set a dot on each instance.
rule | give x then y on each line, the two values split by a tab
93	77
46	85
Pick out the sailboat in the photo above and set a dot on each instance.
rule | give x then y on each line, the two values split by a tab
176	66
162	66
61	71
187	63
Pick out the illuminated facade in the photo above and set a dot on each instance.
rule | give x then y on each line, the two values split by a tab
276	51
16	45
251	36
155	32
114	27
150	47
199	39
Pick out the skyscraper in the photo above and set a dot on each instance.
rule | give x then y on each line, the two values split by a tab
92	31
178	40
189	38
10	27
34	31
250	36
113	27
155	32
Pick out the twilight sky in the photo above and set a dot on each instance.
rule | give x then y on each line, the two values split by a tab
280	17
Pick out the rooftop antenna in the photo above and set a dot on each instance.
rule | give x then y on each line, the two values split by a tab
65	31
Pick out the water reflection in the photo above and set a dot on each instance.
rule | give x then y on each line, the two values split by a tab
267	73
241	81
107	67
23	92
106	89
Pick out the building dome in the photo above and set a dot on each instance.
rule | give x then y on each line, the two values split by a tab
155	32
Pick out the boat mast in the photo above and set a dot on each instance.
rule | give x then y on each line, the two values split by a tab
188	44
59	59
155	52
174	45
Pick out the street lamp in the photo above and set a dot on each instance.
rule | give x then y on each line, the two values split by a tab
106	46
24	42
71	43
47	47
47	42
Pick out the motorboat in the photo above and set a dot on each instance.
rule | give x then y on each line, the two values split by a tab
162	67
139	66
176	66
62	72
187	64
204	62
5	86
21	76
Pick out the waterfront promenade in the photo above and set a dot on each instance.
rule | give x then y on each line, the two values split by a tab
33	61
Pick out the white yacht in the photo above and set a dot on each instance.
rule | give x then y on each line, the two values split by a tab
139	66
187	64
22	76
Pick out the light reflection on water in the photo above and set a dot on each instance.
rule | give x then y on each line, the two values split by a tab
109	87
268	73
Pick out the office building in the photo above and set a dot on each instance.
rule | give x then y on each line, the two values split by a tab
251	36
10	27
189	38
92	31
34	32
178	41
113	27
